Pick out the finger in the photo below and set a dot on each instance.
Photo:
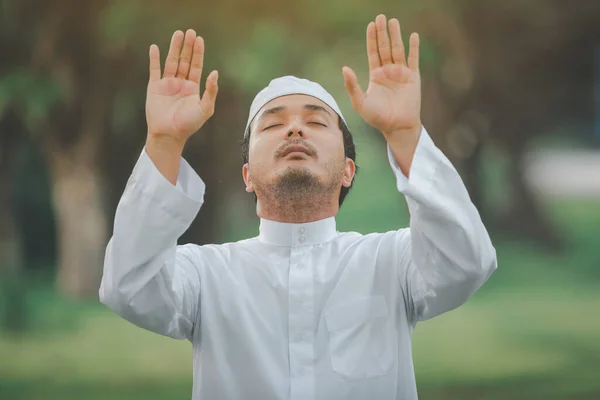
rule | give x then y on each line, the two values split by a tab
197	61
186	54
154	63
372	52
353	88
210	93
413	53
398	55
173	57
383	40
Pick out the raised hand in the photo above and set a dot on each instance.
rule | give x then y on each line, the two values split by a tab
392	102
174	109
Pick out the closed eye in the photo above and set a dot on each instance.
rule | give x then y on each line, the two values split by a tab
318	123
271	126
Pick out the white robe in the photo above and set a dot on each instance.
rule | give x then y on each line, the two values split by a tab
302	311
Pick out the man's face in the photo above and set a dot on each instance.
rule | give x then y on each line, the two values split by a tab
296	137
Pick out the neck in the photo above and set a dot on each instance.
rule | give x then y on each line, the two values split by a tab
296	206
292	213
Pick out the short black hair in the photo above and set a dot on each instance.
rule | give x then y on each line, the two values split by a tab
349	151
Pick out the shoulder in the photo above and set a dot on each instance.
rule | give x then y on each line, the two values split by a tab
375	244
222	248
359	239
217	253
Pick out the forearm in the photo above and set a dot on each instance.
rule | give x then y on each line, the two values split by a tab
147	279
450	247
165	152
451	252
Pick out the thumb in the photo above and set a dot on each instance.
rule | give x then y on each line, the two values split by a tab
210	93
353	88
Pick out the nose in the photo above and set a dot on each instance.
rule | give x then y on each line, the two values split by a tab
294	132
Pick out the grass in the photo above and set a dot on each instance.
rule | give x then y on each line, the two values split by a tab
511	344
542	342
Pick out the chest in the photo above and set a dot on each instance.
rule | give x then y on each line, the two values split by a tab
298	311
273	286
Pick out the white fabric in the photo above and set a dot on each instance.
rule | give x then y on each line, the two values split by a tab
301	311
287	85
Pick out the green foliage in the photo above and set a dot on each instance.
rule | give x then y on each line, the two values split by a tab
255	63
251	43
120	23
33	93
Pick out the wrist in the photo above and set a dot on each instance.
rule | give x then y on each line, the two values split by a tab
404	140
403	144
165	152
164	144
404	134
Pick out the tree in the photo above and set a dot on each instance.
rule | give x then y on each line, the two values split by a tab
77	80
510	72
13	313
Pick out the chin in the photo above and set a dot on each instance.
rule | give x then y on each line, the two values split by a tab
296	172
296	167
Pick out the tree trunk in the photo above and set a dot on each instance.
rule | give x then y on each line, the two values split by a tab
10	254
526	217
78	196
14	313
12	289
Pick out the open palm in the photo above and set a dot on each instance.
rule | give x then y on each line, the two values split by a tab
173	104
392	101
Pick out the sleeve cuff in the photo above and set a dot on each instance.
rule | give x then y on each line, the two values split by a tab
422	168
181	200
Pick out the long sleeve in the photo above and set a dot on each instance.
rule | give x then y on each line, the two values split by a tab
148	279
447	254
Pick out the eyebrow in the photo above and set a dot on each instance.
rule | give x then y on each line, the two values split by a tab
314	107
309	107
274	110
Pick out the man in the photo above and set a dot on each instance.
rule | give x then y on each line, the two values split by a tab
302	311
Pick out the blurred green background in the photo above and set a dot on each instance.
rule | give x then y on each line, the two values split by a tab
511	94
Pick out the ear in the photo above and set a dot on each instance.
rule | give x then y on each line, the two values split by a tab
349	171
247	180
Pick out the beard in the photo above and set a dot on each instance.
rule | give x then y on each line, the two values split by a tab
298	183
298	194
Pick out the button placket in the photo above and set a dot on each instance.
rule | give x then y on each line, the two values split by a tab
301	322
301	236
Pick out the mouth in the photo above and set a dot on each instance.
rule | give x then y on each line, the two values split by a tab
296	152
296	155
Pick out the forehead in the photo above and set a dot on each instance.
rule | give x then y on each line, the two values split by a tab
294	103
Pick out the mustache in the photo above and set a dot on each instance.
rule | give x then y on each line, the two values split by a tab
310	150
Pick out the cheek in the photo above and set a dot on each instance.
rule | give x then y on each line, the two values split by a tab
260	153
255	150
334	151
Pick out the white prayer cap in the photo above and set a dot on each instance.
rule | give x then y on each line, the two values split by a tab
288	85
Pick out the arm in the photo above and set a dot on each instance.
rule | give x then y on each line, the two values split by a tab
147	278
448	253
